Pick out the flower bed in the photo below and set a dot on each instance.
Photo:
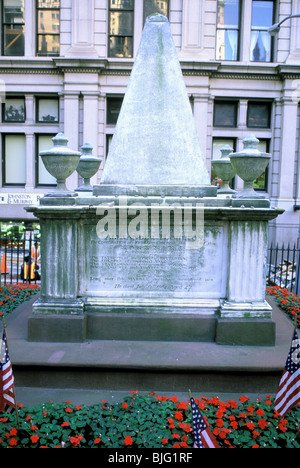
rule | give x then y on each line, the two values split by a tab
288	301
11	296
150	421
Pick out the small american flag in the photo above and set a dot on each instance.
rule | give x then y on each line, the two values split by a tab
203	437
288	394
7	399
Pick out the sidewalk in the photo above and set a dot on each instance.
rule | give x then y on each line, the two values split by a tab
88	372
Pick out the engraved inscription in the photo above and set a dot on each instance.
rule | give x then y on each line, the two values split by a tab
160	268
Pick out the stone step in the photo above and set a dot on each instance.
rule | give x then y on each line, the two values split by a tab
165	366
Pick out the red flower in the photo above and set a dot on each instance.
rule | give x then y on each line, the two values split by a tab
65	424
184	445
171	423
220	423
220	413
243	399
164	441
68	410
182	405
124	405
223	433
262	423
13	442
282	425
178	415
128	440
260	412
185	427
233	403
175	436
34	439
249	425
97	441
234	424
75	441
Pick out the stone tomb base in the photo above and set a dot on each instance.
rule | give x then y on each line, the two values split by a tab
178	328
120	271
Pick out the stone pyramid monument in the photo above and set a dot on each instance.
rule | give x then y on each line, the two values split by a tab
155	141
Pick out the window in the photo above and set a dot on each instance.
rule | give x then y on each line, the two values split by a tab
113	108
48	27
259	114
155	6
14	110
225	114
261	184
218	144
121	28
14	160
262	19
43	178
13	27
230	119
228	23
47	110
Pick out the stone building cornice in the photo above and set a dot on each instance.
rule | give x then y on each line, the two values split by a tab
123	67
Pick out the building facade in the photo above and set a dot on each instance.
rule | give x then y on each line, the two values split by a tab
65	65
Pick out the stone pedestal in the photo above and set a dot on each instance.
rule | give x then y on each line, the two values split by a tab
152	268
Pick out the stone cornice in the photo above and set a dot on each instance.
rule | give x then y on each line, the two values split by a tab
123	67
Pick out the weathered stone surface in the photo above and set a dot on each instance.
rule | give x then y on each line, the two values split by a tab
155	140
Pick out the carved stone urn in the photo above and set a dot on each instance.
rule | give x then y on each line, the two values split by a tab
224	170
87	167
249	164
60	161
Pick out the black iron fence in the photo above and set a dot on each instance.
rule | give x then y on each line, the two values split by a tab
20	262
284	267
20	259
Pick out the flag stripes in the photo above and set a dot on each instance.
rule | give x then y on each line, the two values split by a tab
288	394
203	437
7	399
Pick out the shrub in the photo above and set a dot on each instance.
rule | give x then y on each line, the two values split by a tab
288	301
11	296
150	421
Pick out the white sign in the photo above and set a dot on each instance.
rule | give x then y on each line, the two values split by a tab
20	198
